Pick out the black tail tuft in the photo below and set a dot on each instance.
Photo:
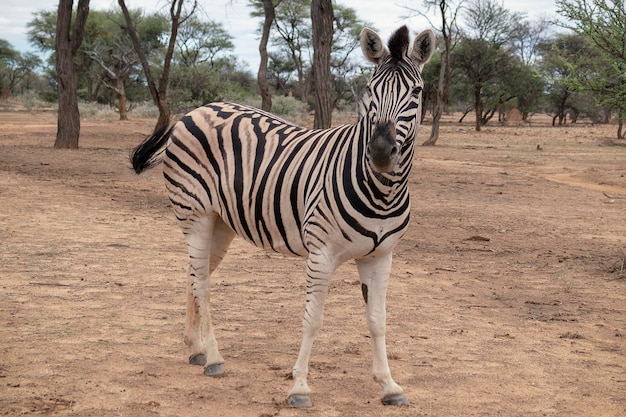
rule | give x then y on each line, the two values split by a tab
148	153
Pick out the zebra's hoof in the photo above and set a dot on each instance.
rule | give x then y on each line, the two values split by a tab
215	370
198	359
299	401
396	399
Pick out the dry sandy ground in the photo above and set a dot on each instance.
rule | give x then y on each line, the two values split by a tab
506	297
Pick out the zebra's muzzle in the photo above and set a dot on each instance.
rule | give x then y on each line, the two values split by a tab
382	148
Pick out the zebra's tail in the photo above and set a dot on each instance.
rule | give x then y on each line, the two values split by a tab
148	153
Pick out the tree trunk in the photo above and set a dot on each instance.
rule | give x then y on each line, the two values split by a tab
445	73
158	93
487	116
434	132
322	23
68	40
264	88
91	83
121	98
68	124
164	113
425	105
438	108
302	82
477	107
465	114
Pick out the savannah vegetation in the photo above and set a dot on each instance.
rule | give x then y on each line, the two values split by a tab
571	66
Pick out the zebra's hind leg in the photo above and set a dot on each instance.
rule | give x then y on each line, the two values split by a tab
319	271
374	274
207	239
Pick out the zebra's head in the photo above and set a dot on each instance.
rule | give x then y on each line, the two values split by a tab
393	95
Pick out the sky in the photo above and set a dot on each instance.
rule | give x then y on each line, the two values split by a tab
235	15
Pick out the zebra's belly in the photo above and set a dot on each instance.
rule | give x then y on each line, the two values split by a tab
343	243
292	246
336	240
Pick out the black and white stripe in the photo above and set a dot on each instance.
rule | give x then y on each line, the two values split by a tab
328	195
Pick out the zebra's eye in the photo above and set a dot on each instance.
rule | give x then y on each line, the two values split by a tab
417	91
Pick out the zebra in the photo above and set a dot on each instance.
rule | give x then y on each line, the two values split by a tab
329	195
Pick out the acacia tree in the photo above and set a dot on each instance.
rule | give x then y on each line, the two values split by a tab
68	40
269	13
448	10
42	36
279	70
109	46
14	68
322	24
562	57
293	30
603	22
348	75
158	92
527	37
202	41
117	61
486	49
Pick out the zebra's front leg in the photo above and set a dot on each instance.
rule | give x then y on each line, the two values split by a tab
374	273
319	272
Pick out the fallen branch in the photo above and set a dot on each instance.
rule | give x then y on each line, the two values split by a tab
612	197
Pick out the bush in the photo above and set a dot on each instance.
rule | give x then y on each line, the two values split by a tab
96	111
286	107
32	102
145	110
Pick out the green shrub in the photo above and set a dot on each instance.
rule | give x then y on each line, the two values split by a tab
97	111
145	110
285	107
32	102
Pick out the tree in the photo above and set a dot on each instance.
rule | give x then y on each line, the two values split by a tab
479	65
108	45
14	68
485	49
346	72
118	62
68	40
530	89
291	38
202	41
158	92
269	13
603	22
293	31
448	10
563	59
278	73
322	23
527	37
42	36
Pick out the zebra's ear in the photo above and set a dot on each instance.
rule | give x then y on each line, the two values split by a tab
372	46
423	47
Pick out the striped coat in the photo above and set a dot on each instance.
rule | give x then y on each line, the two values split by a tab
327	195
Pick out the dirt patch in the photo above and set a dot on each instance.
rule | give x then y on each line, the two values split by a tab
504	297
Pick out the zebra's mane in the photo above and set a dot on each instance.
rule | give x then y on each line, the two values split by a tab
398	44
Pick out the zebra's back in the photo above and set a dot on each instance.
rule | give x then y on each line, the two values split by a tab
257	172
